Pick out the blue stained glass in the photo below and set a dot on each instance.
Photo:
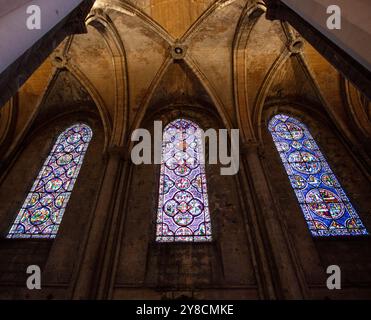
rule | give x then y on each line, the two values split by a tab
326	207
183	210
43	209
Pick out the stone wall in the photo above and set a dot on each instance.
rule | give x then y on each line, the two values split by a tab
58	259
314	255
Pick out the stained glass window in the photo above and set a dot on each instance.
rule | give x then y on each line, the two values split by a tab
42	211
183	211
326	207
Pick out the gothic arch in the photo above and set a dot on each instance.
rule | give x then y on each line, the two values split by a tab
245	26
323	201
83	79
326	134
359	107
101	21
131	10
216	103
312	255
42	212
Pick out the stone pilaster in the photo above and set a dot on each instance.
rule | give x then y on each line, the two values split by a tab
93	265
287	281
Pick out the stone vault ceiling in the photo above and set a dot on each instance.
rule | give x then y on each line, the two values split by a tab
176	17
236	62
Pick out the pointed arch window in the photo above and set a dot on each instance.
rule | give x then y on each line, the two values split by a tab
183	210
43	209
326	207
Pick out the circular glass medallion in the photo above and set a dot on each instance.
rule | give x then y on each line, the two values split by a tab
53	185
195	207
170	208
59	201
74	138
325	203
289	131
298	181
183	196
64	160
182	183
304	162
182	170
39	216
329	180
183	219
309	144
282	146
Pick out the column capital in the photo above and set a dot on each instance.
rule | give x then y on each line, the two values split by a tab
117	152
253	147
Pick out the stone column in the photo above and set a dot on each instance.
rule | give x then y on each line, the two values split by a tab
111	251
286	277
97	242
